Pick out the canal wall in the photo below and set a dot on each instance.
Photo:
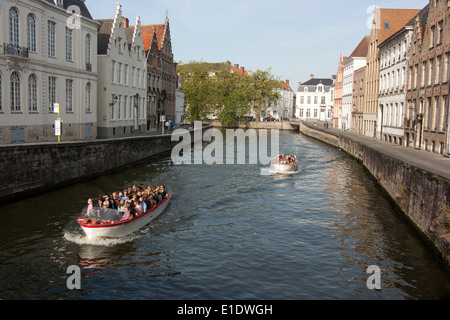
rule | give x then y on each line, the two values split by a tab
27	169
421	194
269	125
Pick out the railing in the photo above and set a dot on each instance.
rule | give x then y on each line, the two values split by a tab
14	50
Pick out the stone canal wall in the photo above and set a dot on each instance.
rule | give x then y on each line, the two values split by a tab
30	168
421	194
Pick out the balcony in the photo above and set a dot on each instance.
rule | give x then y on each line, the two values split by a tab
14	50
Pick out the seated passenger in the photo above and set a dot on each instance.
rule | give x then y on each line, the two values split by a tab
127	213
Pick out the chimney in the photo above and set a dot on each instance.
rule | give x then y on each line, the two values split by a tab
312	76
299	83
126	22
287	82
242	69
236	66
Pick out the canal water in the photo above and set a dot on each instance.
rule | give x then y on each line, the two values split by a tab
230	232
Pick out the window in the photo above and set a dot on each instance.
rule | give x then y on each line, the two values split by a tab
446	72
31	33
125	76
437	77
387	25
433	36
51	92
119	102
309	100
302	99
119	72
119	44
13	27
68	44
88	97
32	93
15	92
125	104
112	106
87	49
69	91
430	71
1	105
113	65
441	31
51	38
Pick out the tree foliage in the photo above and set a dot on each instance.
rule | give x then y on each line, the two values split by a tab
212	87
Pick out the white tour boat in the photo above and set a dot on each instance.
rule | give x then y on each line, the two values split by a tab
98	228
281	165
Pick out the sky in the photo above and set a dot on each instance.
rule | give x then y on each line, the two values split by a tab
291	38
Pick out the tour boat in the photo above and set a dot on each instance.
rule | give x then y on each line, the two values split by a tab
283	167
98	228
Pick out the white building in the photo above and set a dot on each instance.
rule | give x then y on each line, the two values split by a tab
313	101
122	78
355	61
282	109
179	103
393	85
47	56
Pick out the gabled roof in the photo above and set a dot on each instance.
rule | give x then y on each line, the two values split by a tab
104	33
316	81
361	49
392	20
151	31
84	12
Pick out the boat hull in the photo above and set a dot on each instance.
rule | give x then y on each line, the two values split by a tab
122	228
283	168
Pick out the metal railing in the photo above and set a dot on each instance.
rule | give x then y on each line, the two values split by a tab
14	50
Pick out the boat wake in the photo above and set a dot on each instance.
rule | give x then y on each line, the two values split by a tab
80	238
269	171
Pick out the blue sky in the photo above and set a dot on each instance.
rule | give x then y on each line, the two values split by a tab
294	38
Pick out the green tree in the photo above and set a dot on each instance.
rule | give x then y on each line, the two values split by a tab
211	86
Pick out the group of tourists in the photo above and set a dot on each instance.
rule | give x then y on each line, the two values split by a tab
125	204
282	159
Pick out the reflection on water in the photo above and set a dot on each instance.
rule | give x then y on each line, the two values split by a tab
229	232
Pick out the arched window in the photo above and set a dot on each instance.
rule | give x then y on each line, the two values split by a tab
13	27
31	32
32	93
15	92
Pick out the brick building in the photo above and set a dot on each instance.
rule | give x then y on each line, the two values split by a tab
386	22
161	74
428	80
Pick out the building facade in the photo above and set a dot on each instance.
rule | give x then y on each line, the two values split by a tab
161	74
356	60
283	109
338	88
313	99
122	85
180	113
358	100
393	82
48	57
427	119
386	22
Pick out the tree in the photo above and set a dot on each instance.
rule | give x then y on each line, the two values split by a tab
263	90
211	86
